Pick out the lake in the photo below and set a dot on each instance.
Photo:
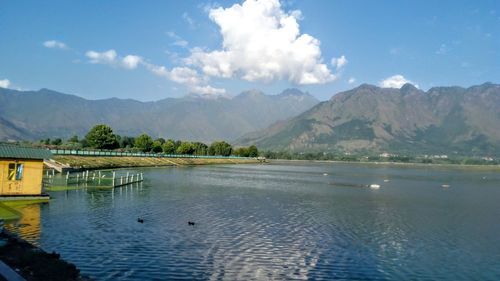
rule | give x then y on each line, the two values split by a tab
283	221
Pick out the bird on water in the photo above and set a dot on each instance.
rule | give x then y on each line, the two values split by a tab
140	220
190	222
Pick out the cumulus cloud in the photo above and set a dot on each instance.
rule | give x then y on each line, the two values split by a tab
395	81
338	63
351	80
188	77
107	57
262	42
131	61
111	57
5	83
54	44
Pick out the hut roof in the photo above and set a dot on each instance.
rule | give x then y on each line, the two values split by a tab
19	152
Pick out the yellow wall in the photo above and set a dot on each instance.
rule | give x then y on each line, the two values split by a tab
31	182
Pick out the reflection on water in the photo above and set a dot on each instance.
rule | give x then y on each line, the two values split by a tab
282	222
26	224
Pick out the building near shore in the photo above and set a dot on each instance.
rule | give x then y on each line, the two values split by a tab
21	172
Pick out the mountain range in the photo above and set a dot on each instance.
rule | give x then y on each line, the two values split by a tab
33	115
442	120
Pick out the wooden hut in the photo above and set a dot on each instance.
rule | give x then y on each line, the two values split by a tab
21	172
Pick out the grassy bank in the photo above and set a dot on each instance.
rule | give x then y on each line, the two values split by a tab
103	162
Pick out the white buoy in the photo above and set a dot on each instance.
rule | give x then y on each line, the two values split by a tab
445	185
325	174
374	186
386	180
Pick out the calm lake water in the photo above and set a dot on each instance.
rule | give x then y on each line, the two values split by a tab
280	222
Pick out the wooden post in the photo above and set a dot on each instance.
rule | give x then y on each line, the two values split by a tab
114	178
142	177
77	178
121	180
127	178
53	172
132	179
67	177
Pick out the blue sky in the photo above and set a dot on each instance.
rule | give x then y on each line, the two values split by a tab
150	50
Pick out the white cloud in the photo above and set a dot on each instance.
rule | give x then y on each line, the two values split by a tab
131	61
351	80
54	44
338	63
111	57
178	41
188	77
107	57
207	90
5	83
395	81
262	42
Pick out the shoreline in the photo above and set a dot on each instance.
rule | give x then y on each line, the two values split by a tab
448	165
32	263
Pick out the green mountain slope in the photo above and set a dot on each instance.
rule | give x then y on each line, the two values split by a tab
369	118
46	113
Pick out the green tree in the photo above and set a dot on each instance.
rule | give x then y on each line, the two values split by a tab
57	141
221	148
73	139
101	136
253	151
241	151
143	143
169	147
161	140
126	142
200	148
185	148
156	147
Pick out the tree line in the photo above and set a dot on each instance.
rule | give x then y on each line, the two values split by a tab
102	137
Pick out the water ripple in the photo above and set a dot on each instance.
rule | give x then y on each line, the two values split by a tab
278	222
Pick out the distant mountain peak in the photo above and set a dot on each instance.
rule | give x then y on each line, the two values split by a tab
293	92
409	88
367	87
